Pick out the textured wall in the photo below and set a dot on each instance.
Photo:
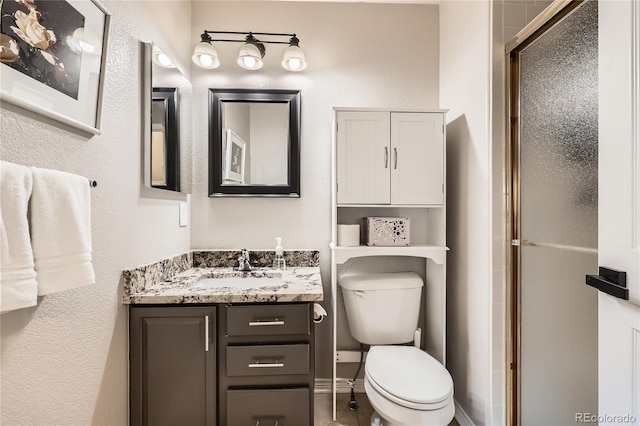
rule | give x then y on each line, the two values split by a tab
465	44
359	55
65	360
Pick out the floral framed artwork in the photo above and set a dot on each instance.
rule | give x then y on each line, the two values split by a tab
234	158
52	58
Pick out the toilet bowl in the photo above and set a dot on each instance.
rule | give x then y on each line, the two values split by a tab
408	387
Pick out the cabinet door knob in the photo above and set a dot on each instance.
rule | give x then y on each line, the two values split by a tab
386	157
395	153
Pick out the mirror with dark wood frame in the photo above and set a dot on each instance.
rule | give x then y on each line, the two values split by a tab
165	139
166	159
254	143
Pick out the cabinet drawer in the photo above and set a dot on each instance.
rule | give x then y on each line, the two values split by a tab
267	360
265	407
261	320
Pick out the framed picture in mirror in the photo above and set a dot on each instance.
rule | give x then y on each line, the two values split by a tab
234	158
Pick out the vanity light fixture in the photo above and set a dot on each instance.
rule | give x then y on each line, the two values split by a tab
251	52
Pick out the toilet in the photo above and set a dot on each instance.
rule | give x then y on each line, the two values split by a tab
406	386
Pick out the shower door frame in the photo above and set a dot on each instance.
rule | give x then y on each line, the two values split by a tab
530	33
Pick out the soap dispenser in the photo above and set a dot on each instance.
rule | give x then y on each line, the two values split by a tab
278	260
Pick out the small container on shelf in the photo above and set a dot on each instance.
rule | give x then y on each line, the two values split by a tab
348	235
387	231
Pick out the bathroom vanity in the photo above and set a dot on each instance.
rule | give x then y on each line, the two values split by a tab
213	345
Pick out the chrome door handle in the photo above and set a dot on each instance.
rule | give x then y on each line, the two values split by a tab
395	153
206	333
386	157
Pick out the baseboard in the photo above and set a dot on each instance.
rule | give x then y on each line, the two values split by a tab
326	386
462	417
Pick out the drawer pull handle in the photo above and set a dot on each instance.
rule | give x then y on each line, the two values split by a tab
262	323
269	365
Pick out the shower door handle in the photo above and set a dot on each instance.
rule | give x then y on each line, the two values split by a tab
610	281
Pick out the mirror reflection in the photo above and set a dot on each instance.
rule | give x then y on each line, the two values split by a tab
165	139
255	141
167	147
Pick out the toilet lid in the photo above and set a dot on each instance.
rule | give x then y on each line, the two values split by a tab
406	373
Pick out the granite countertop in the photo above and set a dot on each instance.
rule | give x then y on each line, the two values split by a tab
211	276
299	284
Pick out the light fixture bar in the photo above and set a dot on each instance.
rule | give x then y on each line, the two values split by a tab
247	33
244	41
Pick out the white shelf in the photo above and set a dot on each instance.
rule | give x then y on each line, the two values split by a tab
395	206
436	253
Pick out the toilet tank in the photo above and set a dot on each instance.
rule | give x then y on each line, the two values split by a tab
382	308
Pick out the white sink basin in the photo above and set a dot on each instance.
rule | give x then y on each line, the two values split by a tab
238	282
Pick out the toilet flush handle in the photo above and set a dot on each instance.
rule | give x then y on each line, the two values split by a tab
360	293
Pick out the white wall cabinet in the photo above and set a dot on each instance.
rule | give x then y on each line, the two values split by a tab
390	158
390	163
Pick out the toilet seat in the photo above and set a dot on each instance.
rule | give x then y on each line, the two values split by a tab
409	377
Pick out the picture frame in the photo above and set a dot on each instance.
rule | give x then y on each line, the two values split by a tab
53	59
234	158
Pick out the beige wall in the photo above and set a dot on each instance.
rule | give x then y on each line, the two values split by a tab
360	55
465	44
65	361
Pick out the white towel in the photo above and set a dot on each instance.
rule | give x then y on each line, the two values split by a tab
61	230
17	276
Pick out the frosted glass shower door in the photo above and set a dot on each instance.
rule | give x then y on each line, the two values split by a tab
558	219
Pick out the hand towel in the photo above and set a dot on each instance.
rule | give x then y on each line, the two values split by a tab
61	230
18	288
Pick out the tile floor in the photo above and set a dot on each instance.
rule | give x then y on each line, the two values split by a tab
344	416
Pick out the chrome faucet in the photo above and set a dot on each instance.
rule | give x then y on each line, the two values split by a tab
244	261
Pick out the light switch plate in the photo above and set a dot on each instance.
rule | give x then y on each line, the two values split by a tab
183	214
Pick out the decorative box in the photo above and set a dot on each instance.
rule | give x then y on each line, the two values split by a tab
387	231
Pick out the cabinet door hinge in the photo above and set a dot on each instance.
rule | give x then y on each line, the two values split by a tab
443	129
443	188
337	186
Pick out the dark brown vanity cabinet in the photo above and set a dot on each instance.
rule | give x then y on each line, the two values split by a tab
266	364
173	365
232	365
